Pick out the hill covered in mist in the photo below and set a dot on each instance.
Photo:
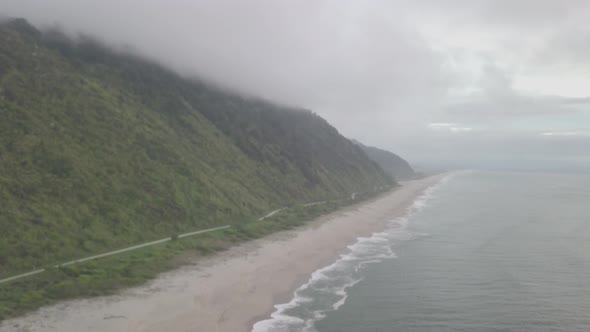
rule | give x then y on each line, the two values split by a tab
391	163
101	150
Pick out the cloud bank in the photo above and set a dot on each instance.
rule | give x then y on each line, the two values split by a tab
500	73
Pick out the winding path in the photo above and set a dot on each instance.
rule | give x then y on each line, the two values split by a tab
76	261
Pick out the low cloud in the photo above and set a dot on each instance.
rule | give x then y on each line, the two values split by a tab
404	75
449	127
566	134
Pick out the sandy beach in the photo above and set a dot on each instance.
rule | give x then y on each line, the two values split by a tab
229	291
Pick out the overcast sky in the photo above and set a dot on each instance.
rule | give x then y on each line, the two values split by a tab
472	82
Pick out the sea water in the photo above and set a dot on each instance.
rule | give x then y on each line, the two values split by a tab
479	251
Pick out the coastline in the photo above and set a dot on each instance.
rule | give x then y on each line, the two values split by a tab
232	290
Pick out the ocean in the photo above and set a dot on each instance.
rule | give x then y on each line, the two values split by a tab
479	251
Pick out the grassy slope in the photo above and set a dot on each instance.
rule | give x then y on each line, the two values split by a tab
86	165
101	151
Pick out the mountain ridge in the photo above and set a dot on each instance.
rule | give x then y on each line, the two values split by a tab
393	164
97	144
102	150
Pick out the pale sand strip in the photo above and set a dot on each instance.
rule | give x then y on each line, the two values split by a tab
231	290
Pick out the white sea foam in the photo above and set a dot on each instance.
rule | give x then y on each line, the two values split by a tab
327	288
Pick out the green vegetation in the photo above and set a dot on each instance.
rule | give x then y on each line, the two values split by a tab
100	151
107	275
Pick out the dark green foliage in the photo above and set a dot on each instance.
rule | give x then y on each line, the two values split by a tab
100	151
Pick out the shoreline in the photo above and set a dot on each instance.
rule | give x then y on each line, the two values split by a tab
234	289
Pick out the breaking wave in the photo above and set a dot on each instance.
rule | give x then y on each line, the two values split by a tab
327	288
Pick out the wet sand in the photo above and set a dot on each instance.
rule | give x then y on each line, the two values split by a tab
229	291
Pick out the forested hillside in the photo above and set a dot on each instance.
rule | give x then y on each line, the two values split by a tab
390	162
100	150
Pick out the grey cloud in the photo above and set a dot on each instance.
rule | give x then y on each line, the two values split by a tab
343	55
523	14
516	105
567	47
353	62
573	101
498	101
364	65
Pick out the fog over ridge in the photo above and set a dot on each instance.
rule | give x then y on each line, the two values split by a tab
512	76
